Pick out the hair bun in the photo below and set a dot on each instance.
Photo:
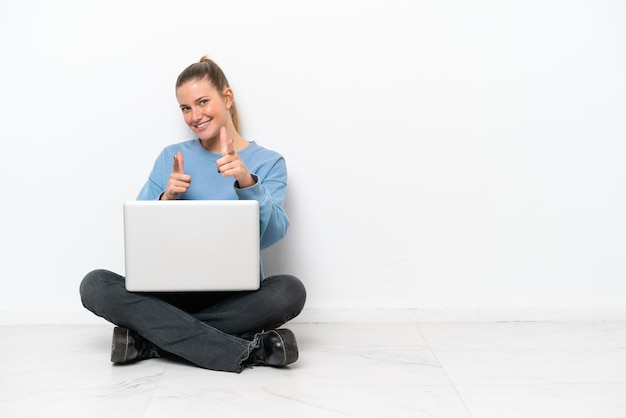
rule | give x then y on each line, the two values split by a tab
205	59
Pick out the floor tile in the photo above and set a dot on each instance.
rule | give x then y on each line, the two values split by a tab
347	336
269	397
525	335
545	401
50	371
534	366
372	355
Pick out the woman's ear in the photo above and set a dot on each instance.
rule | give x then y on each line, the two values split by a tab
229	97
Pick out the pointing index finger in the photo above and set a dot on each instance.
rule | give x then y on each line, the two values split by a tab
228	145
179	163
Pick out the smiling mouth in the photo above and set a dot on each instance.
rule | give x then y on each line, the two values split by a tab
203	125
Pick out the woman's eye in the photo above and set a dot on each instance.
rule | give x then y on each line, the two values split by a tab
185	109
203	102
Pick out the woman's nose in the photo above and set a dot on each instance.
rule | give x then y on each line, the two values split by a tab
196	114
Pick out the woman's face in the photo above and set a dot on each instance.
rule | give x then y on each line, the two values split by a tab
204	108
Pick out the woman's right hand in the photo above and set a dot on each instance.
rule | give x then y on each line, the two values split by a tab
179	181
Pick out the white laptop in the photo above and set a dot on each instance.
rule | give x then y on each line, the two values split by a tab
192	245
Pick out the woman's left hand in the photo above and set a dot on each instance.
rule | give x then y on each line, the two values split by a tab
230	164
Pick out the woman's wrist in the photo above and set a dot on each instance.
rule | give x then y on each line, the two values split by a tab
248	181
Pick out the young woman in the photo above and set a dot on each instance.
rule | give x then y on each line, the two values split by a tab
225	331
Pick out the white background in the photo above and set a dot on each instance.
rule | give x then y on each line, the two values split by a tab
444	156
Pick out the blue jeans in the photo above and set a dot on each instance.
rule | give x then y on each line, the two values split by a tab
205	328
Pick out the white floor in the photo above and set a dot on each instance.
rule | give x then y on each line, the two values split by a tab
502	370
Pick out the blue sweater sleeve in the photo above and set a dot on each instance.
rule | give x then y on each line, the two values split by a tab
269	191
157	181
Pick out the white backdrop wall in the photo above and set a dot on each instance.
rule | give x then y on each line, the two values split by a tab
452	158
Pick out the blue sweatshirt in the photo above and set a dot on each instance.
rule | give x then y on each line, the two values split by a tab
267	167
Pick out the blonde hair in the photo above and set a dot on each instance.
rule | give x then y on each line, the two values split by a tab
207	69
